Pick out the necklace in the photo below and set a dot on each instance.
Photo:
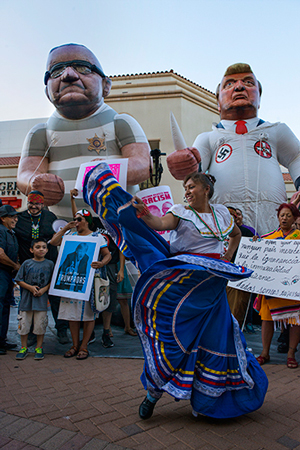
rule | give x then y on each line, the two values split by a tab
216	223
35	228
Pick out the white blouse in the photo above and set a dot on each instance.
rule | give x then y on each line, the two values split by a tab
201	232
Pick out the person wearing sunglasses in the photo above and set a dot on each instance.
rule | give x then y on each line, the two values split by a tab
81	129
73	310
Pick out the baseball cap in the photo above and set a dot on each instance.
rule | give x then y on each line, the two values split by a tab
7	210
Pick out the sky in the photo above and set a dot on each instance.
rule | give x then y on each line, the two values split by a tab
198	39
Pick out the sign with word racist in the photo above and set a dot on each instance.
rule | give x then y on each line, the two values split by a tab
159	200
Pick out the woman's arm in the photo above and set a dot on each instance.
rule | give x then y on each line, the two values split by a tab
120	275
73	194
106	257
168	222
234	240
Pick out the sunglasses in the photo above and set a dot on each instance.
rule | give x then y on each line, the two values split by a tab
81	67
77	219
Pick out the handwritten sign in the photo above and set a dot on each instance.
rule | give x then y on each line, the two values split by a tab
159	200
117	166
276	266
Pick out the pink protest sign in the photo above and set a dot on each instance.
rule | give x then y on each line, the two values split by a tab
117	166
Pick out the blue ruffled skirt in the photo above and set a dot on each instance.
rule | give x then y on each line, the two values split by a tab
192	344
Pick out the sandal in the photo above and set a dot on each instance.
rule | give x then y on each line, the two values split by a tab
82	354
292	363
262	360
131	332
72	352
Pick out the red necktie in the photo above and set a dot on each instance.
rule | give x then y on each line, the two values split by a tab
241	127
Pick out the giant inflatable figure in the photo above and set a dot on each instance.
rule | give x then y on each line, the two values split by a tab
81	129
243	152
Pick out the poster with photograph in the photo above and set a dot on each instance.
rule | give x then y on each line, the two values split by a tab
276	266
73	275
117	166
159	200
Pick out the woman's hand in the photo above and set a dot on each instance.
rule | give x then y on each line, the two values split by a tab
120	276
73	193
97	264
138	204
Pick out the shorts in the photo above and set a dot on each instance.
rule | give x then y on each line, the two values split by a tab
39	319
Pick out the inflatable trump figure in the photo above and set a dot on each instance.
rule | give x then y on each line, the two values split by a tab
81	129
243	152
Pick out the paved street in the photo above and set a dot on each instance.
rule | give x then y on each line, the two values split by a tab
67	404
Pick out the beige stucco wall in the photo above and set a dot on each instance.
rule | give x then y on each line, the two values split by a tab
150	99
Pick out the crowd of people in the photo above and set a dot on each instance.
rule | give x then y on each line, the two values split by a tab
28	252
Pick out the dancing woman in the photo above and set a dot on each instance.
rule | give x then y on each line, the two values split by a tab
192	345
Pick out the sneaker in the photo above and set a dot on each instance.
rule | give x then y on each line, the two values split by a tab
63	337
106	340
22	353
39	354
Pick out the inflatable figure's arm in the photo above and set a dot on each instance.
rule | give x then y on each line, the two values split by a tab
138	155
202	144
133	144
288	152
33	167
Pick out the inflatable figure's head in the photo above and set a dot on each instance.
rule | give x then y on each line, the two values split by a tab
75	81
239	93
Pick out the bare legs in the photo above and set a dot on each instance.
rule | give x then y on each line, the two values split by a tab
126	316
88	327
267	331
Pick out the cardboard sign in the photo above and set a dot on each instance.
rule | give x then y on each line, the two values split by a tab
159	200
276	266
73	275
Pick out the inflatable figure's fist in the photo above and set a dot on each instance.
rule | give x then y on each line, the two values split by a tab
51	186
182	162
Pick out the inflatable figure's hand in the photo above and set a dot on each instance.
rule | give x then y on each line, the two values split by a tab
182	162
51	186
295	200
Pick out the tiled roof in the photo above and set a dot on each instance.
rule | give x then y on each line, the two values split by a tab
160	72
9	161
287	177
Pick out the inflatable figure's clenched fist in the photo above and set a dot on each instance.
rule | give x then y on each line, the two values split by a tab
51	186
183	162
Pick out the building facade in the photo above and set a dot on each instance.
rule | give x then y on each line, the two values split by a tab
149	98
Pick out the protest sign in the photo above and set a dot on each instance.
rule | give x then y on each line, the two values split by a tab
73	275
159	200
117	166
276	266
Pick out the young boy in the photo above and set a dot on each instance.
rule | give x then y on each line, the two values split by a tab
34	278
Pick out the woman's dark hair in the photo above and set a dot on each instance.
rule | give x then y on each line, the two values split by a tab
204	178
294	210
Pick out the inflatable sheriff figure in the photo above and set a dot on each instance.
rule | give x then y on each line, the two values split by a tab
243	152
81	129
